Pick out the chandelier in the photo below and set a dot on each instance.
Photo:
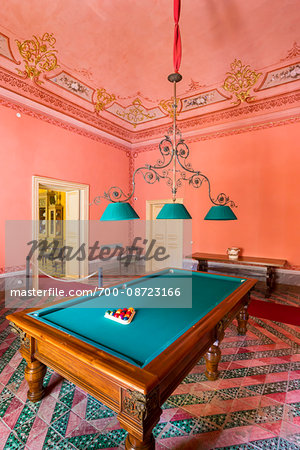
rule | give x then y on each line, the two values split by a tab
172	167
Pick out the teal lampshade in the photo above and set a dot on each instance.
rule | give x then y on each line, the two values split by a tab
173	211
119	211
220	212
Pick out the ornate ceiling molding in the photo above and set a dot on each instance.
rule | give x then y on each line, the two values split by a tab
280	76
59	123
231	114
204	136
23	87
73	85
5	49
199	107
240	81
135	113
39	56
203	99
293	52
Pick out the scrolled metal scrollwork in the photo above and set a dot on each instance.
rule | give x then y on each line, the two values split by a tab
223	199
166	150
182	151
196	180
162	170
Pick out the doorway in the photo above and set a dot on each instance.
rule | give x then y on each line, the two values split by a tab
60	212
166	233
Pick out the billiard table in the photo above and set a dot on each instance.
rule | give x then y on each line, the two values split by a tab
133	369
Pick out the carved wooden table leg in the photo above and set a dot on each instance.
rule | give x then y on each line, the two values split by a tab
139	414
242	319
212	359
132	443
270	280
34	374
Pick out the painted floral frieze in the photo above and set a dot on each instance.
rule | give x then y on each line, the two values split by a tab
281	76
203	99
73	85
135	113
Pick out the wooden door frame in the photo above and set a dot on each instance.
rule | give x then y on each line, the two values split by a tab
149	204
64	186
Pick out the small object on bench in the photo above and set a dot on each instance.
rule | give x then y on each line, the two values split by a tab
271	265
233	252
123	316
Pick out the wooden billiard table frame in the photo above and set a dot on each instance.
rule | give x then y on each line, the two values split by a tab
135	394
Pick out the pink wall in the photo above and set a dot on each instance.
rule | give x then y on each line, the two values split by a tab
259	170
32	147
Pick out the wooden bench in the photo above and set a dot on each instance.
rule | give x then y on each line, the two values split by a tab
269	263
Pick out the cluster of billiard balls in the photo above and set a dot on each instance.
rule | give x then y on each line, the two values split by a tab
121	314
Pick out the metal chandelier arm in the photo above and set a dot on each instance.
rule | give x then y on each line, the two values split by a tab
197	178
172	152
151	175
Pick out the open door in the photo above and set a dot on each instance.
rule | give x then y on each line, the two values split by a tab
75	223
72	232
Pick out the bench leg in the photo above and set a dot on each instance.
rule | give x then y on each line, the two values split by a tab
242	319
270	281
202	266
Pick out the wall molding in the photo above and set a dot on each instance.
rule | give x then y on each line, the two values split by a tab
14	85
29	111
31	91
204	136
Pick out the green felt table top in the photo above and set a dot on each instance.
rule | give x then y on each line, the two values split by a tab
153	329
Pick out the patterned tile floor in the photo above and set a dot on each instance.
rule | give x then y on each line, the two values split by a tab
255	404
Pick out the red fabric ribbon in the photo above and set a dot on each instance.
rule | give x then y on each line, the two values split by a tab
177	39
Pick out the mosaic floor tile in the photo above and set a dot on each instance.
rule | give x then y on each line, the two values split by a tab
27	414
216	419
10	411
96	410
185	425
266	444
226	394
4	433
37	434
13	443
237	447
118	436
101	441
236	373
172	431
255	404
159	428
241	418
52	439
286	445
291	433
